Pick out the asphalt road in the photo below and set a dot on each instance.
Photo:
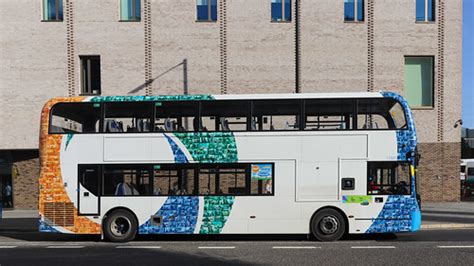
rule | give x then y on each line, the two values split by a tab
434	247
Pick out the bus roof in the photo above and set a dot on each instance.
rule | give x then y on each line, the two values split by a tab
336	95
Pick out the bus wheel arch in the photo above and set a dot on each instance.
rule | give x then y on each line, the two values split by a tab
120	224
335	217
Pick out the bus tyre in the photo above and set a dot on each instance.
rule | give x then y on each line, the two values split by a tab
328	225
120	226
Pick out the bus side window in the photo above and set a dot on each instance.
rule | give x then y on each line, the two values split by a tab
329	114
388	178
269	115
74	118
225	115
126	180
127	117
380	114
177	116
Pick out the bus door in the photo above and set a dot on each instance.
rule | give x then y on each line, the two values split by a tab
88	190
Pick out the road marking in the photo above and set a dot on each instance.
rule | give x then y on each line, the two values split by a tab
8	246
372	247
64	246
295	247
455	246
145	247
216	247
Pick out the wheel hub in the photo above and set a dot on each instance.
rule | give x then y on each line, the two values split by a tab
329	225
120	226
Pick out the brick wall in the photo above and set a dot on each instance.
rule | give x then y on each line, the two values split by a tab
438	172
25	182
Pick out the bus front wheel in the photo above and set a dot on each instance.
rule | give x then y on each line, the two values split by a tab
120	226
328	225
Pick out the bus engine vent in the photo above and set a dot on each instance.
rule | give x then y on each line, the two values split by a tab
59	213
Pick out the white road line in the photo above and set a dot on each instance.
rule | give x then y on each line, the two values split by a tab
295	247
8	246
216	247
455	246
139	247
372	247
64	246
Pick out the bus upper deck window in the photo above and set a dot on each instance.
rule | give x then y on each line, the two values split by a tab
74	118
127	117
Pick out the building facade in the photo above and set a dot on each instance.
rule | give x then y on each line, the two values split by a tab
130	47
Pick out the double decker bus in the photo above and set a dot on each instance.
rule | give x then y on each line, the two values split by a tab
318	164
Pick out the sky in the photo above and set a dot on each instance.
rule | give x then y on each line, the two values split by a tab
468	65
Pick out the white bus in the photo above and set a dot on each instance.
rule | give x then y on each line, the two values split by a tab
319	164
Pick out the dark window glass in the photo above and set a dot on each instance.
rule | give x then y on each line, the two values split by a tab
75	118
127	117
425	10
173	180
387	178
329	114
431	10
177	116
224	115
275	115
232	180
206	10
127	181
207	181
281	10
89	178
349	9
360	10
354	10
90	75
53	9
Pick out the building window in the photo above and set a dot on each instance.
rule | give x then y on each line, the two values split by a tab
354	10
53	10
130	10
281	10
419	83
425	10
206	10
90	75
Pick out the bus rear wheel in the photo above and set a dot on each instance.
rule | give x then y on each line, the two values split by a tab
328	225
120	226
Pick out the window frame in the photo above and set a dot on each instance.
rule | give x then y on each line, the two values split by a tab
57	11
356	12
426	19
134	17
86	89
283	13
433	80
209	12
